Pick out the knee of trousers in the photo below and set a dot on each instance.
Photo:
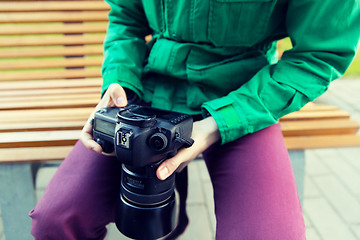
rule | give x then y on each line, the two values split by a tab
65	223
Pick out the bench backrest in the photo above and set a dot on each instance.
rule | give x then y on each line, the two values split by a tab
51	31
51	40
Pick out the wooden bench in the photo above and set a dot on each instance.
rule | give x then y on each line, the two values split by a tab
50	58
50	78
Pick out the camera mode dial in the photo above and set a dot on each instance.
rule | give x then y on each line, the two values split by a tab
158	141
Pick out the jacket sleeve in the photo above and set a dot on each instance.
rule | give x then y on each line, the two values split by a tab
124	45
325	36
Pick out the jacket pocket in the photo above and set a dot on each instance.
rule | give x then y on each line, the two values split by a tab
224	76
238	22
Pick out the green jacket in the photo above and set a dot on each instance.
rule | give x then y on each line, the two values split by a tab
218	57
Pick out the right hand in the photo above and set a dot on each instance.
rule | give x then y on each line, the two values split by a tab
114	96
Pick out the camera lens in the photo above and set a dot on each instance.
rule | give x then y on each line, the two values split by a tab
158	141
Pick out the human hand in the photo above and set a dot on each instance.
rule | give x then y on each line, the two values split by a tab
205	133
114	96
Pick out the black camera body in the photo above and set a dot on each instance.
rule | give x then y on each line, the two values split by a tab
141	135
142	138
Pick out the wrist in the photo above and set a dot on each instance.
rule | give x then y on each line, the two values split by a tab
210	131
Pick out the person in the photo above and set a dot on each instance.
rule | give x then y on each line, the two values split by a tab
217	61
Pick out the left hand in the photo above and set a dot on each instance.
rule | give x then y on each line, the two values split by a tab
114	96
205	133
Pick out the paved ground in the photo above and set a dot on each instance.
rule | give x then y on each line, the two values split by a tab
332	180
332	185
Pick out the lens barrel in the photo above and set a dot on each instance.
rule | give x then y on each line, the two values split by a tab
146	206
146	222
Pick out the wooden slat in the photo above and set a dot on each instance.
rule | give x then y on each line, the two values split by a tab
41	17
52	63
52	51
52	40
17	123
60	103
45	92
68	123
10	155
50	84
18	29
311	142
45	115
320	127
298	128
318	107
42	126
39	139
32	6
68	138
300	115
50	74
49	97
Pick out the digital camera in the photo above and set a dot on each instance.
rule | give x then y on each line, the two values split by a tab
142	138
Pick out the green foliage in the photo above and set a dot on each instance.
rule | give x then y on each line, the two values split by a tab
354	69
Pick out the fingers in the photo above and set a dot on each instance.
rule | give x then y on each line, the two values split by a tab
87	139
169	166
117	95
114	96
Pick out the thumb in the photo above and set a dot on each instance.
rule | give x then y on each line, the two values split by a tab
118	95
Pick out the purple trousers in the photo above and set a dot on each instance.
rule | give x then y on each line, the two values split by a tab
254	192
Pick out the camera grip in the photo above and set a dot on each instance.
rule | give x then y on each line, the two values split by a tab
106	147
184	142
